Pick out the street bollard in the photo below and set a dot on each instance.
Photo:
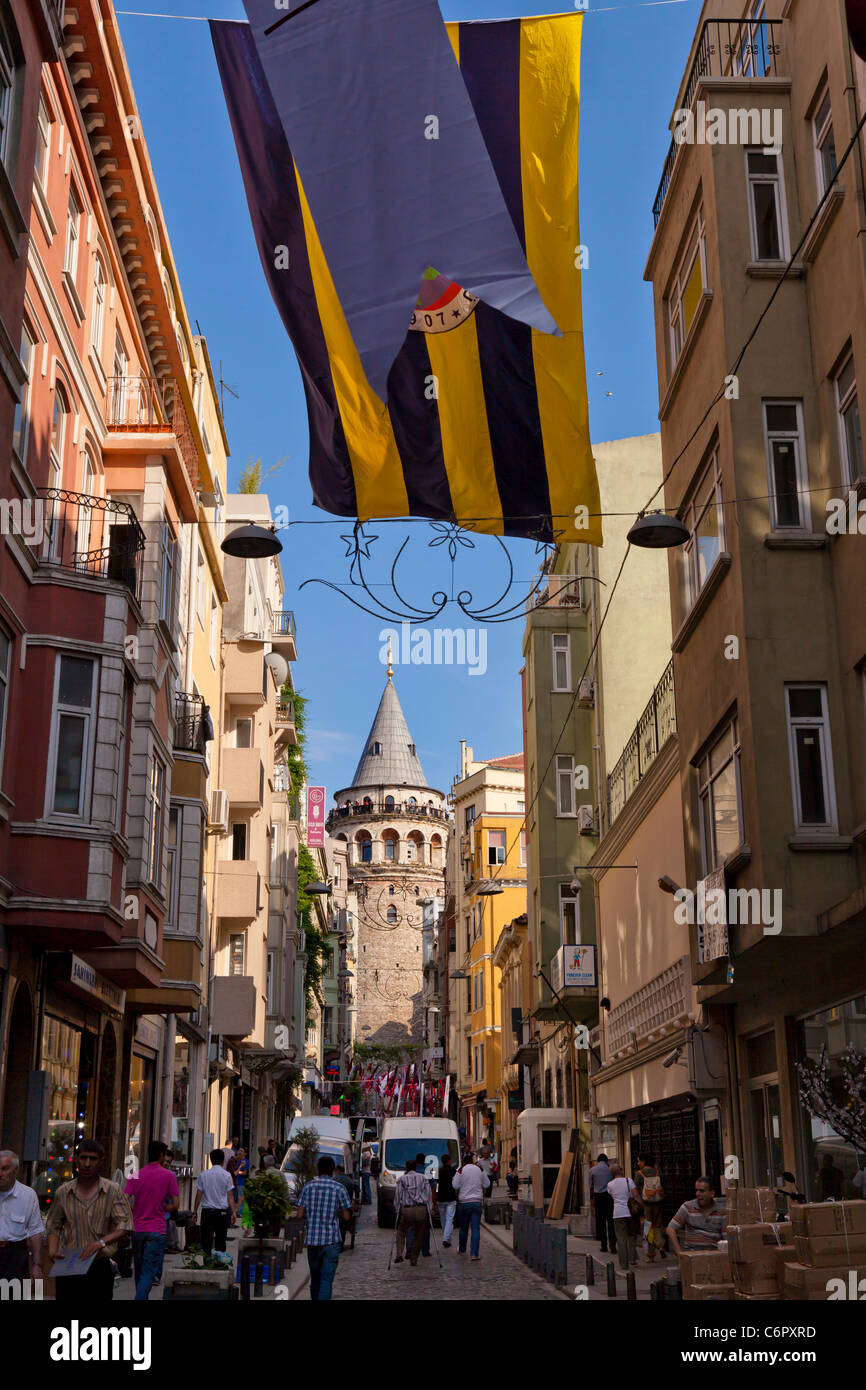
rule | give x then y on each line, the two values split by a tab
245	1277
258	1289
272	1271
630	1287
611	1279
590	1270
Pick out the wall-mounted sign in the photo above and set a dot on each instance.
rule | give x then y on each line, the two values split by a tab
712	918
315	817
574	967
80	978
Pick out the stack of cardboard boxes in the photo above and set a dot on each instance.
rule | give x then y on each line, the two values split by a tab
758	1254
706	1276
829	1250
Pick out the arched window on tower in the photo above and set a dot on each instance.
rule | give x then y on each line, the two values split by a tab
389	803
390	842
436	851
364	847
390	888
391	914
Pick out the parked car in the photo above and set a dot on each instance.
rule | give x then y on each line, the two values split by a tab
339	1150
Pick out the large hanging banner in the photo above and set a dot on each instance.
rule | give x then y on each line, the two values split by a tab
487	422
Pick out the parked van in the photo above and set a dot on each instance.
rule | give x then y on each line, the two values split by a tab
543	1137
334	1126
340	1150
402	1140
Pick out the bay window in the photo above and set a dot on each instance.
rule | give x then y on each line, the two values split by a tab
72	735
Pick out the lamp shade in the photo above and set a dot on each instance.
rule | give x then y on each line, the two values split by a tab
488	889
658	531
315	887
252	543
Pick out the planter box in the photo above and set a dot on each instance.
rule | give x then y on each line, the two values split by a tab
199	1284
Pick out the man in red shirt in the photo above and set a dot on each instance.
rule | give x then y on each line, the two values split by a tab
153	1192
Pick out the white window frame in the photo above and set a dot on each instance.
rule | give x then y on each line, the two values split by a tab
745	66
798	438
167	563
269	984
560	646
821	725
705	785
73	235
100	292
8	93
87	715
524	848
173	864
844	403
692	583
696	246
820	134
21	418
500	849
43	142
567	896
155	821
565	768
777	183
235	938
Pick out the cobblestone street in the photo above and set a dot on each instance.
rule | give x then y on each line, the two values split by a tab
363	1274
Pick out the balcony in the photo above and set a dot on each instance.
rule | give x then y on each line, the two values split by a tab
246	675
238	890
193	727
140	405
233	1005
655	726
91	537
243	777
285	722
370	810
283	635
747	48
559	591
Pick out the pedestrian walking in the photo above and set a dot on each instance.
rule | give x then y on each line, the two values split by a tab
215	1190
20	1223
366	1170
241	1173
322	1202
512	1179
649	1186
413	1205
602	1202
446	1198
230	1148
700	1223
420	1166
470	1184
152	1193
626	1210
89	1215
346	1180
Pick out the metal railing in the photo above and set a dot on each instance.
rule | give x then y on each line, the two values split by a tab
726	48
189	717
283	624
286	712
365	810
654	728
91	536
149	405
559	591
544	1248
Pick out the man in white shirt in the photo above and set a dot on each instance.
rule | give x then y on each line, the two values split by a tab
20	1224
470	1184
215	1191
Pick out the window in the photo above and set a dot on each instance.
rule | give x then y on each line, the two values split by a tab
390	847
236	953
469	816
825	143
786	464
269	984
811	759
391	914
21	420
8	113
243	733
72	735
98	315
214	629
366	850
73	231
328	1023
850	438
173	858
561	661
468	934
767	220
481	1047
565	786
58	422
43	144
496	847
200	588
719	795
479	984
752	46
523	849
155	804
86	518
569	915
687	288
168	546
5	664
239	840
376	748
703	515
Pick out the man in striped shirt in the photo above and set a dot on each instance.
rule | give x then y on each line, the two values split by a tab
90	1215
413	1204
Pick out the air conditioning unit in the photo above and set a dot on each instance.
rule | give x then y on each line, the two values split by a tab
219	810
586	820
585	694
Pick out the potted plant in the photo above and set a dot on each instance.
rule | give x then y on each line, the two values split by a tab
201	1276
268	1202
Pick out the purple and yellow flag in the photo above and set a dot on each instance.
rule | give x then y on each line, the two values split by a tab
487	418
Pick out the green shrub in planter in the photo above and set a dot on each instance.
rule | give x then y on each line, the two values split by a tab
267	1199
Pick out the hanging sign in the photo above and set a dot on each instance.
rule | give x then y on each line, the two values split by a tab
315	817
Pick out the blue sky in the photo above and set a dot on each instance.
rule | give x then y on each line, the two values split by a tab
632	62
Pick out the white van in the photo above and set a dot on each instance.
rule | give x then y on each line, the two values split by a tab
329	1126
402	1140
543	1137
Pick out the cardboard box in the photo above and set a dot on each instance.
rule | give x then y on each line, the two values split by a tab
708	1293
806	1282
828	1218
705	1267
749	1243
747	1206
824	1252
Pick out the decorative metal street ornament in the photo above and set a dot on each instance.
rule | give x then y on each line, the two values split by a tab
657	531
252	543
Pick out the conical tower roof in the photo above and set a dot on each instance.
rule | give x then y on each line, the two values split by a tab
397	764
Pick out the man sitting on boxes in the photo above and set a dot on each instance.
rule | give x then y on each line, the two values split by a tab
700	1224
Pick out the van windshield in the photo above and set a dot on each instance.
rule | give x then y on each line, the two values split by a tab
397	1151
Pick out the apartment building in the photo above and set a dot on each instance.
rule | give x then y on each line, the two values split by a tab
769	633
488	798
513	972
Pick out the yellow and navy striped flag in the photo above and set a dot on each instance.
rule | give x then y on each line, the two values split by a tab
487	423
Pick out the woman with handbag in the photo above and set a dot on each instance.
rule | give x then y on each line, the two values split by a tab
627	1209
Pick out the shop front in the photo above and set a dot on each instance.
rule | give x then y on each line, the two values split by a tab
141	1114
831	1161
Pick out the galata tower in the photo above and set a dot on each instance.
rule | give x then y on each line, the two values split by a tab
396	828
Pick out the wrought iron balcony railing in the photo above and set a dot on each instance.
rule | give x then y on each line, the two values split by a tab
367	809
192	728
654	728
284	624
147	405
726	48
286	712
92	536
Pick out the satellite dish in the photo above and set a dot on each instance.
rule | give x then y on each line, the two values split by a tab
279	666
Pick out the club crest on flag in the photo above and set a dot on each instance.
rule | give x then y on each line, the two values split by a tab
442	305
